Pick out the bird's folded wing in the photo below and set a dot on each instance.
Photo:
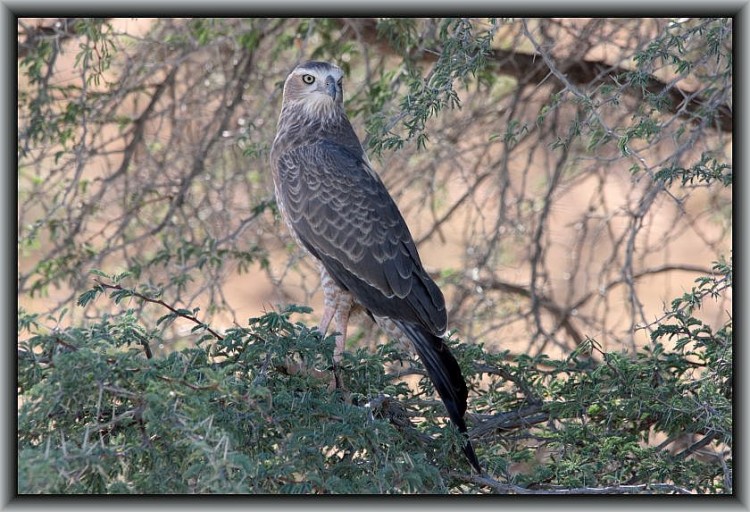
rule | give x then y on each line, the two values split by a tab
344	216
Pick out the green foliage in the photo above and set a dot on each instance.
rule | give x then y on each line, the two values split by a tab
253	411
704	172
462	60
54	110
228	416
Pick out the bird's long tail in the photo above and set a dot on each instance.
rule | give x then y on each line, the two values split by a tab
446	376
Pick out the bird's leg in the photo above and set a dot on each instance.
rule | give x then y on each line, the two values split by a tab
338	305
341	314
329	300
328	311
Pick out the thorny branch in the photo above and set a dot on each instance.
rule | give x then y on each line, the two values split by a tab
175	311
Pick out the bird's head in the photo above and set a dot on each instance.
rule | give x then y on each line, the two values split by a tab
315	86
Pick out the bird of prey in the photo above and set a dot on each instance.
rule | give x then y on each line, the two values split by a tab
338	209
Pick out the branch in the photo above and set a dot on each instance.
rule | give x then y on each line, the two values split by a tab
650	271
617	489
220	119
384	406
523	417
697	445
503	488
532	396
161	303
563	313
530	69
139	125
60	30
210	387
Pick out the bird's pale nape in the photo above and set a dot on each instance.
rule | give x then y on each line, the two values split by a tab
339	210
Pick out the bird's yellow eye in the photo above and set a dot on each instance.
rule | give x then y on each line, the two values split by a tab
308	79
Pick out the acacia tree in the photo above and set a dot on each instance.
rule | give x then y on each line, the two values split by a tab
565	180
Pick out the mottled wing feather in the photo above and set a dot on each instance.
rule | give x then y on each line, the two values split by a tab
344	216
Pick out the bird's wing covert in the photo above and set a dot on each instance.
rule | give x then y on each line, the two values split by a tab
344	216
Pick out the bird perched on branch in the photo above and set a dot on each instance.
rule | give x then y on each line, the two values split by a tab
338	209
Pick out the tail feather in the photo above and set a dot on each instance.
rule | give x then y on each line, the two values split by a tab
446	376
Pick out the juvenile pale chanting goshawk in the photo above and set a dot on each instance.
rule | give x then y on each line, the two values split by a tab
338	209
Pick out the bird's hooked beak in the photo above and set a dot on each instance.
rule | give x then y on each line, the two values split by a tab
331	87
